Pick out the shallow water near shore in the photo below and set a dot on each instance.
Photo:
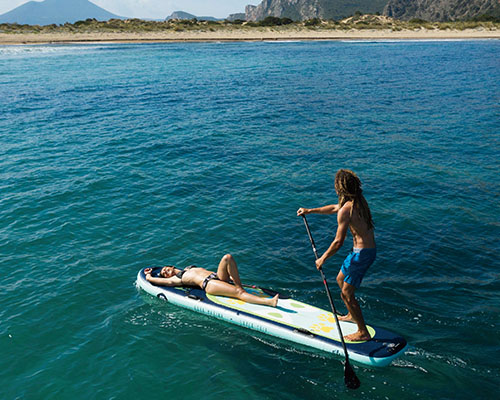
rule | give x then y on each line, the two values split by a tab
116	157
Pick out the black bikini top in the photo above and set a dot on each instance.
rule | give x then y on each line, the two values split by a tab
180	273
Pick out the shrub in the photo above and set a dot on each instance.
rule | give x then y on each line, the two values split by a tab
312	22
275	21
362	25
270	21
417	21
187	22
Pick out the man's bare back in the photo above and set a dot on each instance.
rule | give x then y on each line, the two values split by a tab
362	236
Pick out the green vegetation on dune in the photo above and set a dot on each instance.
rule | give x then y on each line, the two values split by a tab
358	21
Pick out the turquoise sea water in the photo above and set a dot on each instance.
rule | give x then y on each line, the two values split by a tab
115	157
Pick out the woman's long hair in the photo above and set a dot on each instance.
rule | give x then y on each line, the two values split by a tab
348	187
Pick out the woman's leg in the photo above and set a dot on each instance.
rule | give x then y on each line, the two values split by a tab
221	288
228	270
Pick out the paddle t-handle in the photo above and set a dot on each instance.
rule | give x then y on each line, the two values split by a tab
350	378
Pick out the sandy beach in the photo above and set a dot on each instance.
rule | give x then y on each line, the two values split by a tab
255	34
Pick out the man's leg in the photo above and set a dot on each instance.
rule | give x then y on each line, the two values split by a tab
340	279
340	282
355	313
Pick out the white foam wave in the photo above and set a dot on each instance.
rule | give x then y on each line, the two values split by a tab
29	50
385	41
418	354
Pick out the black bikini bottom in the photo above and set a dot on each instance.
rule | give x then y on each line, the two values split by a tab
213	275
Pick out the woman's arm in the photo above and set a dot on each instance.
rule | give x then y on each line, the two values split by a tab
326	210
173	281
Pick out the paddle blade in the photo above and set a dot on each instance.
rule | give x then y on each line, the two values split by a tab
350	378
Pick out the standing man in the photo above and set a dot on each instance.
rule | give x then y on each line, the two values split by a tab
354	214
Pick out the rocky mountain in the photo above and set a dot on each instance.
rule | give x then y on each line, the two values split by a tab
237	16
306	9
185	15
441	10
55	12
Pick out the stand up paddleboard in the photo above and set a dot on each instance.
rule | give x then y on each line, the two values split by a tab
291	320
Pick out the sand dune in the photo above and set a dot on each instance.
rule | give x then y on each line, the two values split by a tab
256	34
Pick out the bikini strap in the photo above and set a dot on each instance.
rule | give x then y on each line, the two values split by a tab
180	274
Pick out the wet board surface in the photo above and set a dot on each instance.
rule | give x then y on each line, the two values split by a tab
291	320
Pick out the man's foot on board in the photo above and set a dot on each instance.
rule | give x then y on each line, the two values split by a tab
358	337
345	318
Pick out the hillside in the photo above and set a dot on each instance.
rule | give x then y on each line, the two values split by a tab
184	15
441	10
300	10
55	12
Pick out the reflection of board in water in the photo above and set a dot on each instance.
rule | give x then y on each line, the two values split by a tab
291	320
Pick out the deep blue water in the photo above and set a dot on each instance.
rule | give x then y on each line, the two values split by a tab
115	157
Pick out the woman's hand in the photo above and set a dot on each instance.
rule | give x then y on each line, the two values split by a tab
302	211
147	272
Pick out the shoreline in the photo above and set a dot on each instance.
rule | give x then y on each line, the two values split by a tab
243	35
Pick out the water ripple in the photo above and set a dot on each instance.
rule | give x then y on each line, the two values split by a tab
117	157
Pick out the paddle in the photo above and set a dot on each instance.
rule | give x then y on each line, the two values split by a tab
350	378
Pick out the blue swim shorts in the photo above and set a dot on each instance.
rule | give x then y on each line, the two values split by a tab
356	264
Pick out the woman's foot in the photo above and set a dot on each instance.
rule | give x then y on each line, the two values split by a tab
274	301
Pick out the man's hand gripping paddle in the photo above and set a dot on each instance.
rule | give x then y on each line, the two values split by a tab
350	378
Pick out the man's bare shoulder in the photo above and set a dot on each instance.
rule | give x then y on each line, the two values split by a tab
345	211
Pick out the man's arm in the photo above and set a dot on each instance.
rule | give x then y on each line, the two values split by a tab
326	210
343	219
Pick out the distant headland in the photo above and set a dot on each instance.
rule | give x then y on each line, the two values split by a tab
59	12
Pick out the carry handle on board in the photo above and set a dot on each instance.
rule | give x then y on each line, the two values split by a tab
350	378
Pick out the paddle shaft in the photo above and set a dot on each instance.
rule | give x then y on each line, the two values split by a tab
327	289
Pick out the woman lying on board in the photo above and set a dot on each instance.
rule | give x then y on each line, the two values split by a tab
211	282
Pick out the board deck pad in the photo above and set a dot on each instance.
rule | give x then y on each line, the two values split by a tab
291	320
293	313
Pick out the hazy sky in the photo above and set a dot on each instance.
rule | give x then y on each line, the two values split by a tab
158	8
